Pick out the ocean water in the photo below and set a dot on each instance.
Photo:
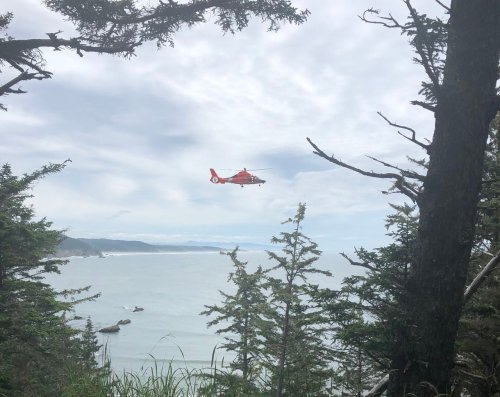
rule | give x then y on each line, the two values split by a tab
173	289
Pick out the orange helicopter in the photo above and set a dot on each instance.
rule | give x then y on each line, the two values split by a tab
241	178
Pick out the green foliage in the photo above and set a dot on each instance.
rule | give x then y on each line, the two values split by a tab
240	316
130	22
273	324
294	336
37	347
478	369
119	27
366	313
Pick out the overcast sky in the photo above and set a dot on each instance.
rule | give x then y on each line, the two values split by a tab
143	133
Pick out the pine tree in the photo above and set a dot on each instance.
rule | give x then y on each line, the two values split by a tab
478	362
297	357
240	318
36	344
365	314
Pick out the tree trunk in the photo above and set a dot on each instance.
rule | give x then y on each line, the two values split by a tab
284	346
466	104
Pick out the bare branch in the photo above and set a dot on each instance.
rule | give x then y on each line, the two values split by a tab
388	22
399	183
443	5
379	388
481	276
366	265
413	136
333	160
426	106
7	87
405	173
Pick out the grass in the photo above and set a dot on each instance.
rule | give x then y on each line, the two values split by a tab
154	381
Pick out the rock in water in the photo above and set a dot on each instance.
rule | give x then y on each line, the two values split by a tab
123	322
111	329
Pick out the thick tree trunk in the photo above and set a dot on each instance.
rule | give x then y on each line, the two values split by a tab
466	103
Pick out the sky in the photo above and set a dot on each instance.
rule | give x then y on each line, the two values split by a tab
143	133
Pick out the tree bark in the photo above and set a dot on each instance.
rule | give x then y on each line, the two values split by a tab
283	352
466	104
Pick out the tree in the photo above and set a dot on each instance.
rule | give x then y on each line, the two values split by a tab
36	344
240	315
478	359
294	337
460	57
365	314
119	27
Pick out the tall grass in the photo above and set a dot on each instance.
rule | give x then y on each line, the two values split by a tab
154	381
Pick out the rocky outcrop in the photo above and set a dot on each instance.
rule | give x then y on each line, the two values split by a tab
138	309
110	330
123	322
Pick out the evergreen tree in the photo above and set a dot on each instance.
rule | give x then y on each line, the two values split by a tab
460	56
36	344
365	314
478	362
296	355
240	318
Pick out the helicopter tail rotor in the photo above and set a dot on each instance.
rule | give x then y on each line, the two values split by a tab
215	178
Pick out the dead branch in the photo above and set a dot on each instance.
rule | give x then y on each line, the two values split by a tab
443	5
379	388
388	22
413	132
481	276
399	183
405	173
7	87
426	106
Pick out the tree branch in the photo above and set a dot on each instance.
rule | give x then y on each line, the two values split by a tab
420	42
443	5
389	22
481	276
405	173
426	106
400	182
7	87
413	132
379	388
31	44
366	265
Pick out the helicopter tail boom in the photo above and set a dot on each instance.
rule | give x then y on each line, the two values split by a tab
215	178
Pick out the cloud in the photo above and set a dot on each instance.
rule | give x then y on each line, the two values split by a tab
142	133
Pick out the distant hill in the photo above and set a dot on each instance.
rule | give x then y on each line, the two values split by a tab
95	247
76	247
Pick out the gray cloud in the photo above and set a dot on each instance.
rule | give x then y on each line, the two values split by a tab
143	133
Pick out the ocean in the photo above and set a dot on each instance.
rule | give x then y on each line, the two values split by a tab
173	289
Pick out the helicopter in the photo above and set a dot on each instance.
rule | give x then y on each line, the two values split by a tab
241	178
